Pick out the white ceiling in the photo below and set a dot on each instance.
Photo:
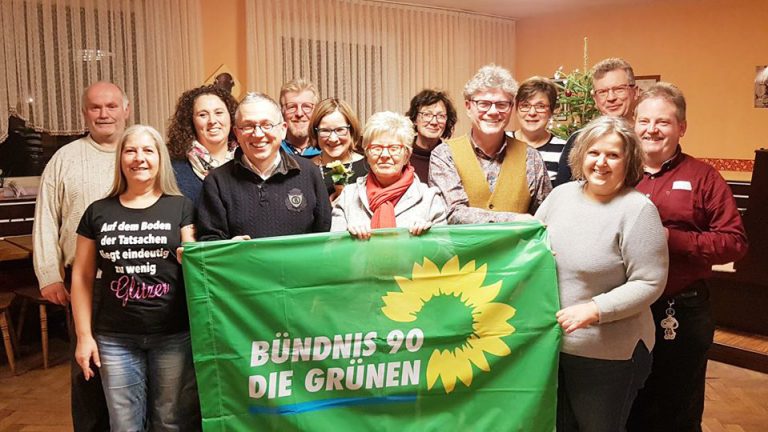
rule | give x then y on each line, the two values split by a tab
519	8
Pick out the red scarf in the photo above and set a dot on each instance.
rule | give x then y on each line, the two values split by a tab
383	200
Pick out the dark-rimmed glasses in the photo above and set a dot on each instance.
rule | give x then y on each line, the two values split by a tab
341	131
486	105
427	117
539	108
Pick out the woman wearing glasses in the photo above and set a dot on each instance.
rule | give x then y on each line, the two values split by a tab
335	129
535	101
434	116
391	195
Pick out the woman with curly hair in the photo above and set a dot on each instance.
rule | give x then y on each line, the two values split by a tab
200	135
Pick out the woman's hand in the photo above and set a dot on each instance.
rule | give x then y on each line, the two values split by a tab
179	253
241	237
360	230
85	351
578	316
419	227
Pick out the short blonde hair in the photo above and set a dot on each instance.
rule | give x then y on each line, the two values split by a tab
601	127
491	76
388	122
298	85
165	181
668	92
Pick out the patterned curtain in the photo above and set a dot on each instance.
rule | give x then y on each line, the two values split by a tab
375	55
50	50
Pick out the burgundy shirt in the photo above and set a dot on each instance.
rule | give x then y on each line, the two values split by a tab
698	209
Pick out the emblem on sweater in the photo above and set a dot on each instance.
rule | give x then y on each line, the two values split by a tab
295	200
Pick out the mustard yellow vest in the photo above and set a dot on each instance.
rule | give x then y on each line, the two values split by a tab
511	193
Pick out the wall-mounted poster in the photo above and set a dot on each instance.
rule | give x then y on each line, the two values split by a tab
761	87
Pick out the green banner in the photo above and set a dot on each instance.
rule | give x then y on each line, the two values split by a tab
452	330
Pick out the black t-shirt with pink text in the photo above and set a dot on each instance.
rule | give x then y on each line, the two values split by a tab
141	288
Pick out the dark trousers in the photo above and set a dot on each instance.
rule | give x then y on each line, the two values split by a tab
88	404
673	397
596	395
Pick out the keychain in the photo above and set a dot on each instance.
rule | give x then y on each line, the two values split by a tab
669	324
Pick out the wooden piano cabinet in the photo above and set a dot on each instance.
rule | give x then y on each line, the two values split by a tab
740	299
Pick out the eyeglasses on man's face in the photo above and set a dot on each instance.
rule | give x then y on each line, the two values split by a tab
251	128
620	91
292	107
486	105
427	117
526	107
339	131
377	150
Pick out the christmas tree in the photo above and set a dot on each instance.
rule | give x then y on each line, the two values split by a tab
576	107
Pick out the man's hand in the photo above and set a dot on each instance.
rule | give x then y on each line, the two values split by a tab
56	293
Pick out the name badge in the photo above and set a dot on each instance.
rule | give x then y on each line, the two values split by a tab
681	185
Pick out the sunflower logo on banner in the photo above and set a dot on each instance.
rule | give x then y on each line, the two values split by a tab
459	288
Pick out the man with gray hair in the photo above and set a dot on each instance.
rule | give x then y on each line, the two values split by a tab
487	176
264	191
77	175
298	98
615	94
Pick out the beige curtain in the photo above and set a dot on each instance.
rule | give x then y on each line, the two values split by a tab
50	50
376	55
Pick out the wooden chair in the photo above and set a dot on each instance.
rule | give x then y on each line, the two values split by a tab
6	299
32	294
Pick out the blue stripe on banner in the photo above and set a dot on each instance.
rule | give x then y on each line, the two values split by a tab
329	403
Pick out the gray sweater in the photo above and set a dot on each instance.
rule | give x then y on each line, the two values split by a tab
614	254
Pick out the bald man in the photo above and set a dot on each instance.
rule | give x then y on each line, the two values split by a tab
78	174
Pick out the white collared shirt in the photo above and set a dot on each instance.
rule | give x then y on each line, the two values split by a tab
266	174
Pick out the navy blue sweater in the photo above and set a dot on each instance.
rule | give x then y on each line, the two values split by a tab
235	201
189	183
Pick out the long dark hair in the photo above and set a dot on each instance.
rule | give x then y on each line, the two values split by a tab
181	131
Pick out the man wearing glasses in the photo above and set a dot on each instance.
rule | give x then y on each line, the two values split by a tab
615	94
486	176
298	98
264	191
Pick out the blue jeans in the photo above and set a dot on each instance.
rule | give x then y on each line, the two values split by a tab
596	395
149	382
